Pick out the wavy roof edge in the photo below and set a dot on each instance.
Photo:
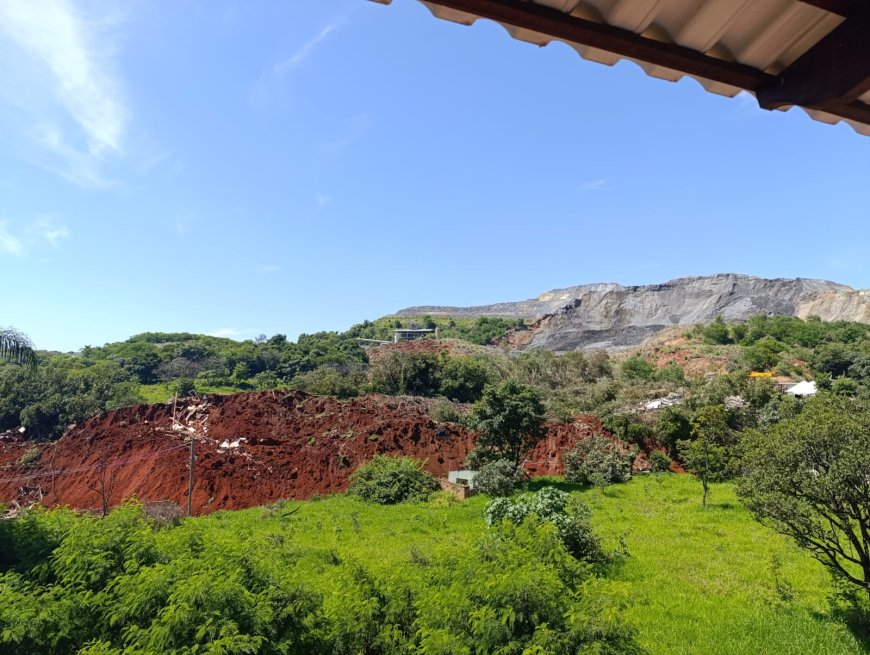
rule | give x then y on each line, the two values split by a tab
757	38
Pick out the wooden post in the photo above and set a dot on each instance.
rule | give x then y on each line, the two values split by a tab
190	478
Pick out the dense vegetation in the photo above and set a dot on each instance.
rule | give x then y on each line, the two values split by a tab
150	367
525	574
67	388
323	577
339	575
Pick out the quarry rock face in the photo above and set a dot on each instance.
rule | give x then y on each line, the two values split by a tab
612	316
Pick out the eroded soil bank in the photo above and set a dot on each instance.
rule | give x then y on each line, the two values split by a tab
251	448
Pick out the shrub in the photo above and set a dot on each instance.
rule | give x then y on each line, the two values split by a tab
497	478
445	411
637	368
183	387
30	456
659	462
716	332
671	372
598	461
549	505
329	380
389	480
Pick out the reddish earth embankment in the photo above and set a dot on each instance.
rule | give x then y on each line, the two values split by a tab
251	449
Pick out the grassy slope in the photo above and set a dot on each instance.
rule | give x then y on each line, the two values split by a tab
700	581
161	392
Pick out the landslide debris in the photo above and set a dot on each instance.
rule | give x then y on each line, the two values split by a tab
251	449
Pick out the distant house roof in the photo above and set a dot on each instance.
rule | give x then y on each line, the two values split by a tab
814	54
804	388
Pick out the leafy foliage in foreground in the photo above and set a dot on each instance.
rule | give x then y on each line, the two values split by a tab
809	477
267	581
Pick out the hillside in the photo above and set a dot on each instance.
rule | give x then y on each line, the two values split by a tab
611	315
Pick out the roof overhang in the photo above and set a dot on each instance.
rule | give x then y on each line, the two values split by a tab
814	54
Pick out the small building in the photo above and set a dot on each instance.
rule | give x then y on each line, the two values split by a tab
459	483
463	478
409	334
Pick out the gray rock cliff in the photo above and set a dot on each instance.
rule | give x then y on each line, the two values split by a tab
611	315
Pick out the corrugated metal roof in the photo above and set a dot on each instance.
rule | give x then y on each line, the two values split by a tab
767	35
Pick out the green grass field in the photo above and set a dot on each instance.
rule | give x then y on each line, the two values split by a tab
703	580
695	581
699	581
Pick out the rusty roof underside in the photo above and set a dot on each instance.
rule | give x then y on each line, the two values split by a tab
813	54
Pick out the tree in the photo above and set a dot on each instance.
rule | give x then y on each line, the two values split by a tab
16	347
597	460
808	477
672	426
716	332
637	368
708	454
510	417
463	379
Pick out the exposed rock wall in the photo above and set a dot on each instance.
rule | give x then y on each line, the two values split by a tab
611	315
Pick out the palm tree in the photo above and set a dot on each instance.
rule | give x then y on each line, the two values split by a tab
16	347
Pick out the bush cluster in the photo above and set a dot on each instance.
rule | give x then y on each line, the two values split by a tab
550	505
389	480
596	460
238	583
498	478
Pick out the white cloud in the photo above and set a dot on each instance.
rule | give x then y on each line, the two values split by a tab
322	200
183	222
596	185
306	50
268	268
52	231
358	128
61	87
10	244
268	87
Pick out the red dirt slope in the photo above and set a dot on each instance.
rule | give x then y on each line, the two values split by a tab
251	448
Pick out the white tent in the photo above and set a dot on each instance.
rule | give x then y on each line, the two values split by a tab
801	389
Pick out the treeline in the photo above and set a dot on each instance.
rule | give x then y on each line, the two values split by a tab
65	389
829	349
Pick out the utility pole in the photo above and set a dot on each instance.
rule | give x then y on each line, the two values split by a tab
190	477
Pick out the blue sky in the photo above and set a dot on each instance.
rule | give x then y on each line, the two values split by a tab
249	167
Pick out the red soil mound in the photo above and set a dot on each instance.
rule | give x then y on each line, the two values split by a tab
251	449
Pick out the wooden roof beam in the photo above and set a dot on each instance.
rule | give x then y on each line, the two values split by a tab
565	27
836	69
842	7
